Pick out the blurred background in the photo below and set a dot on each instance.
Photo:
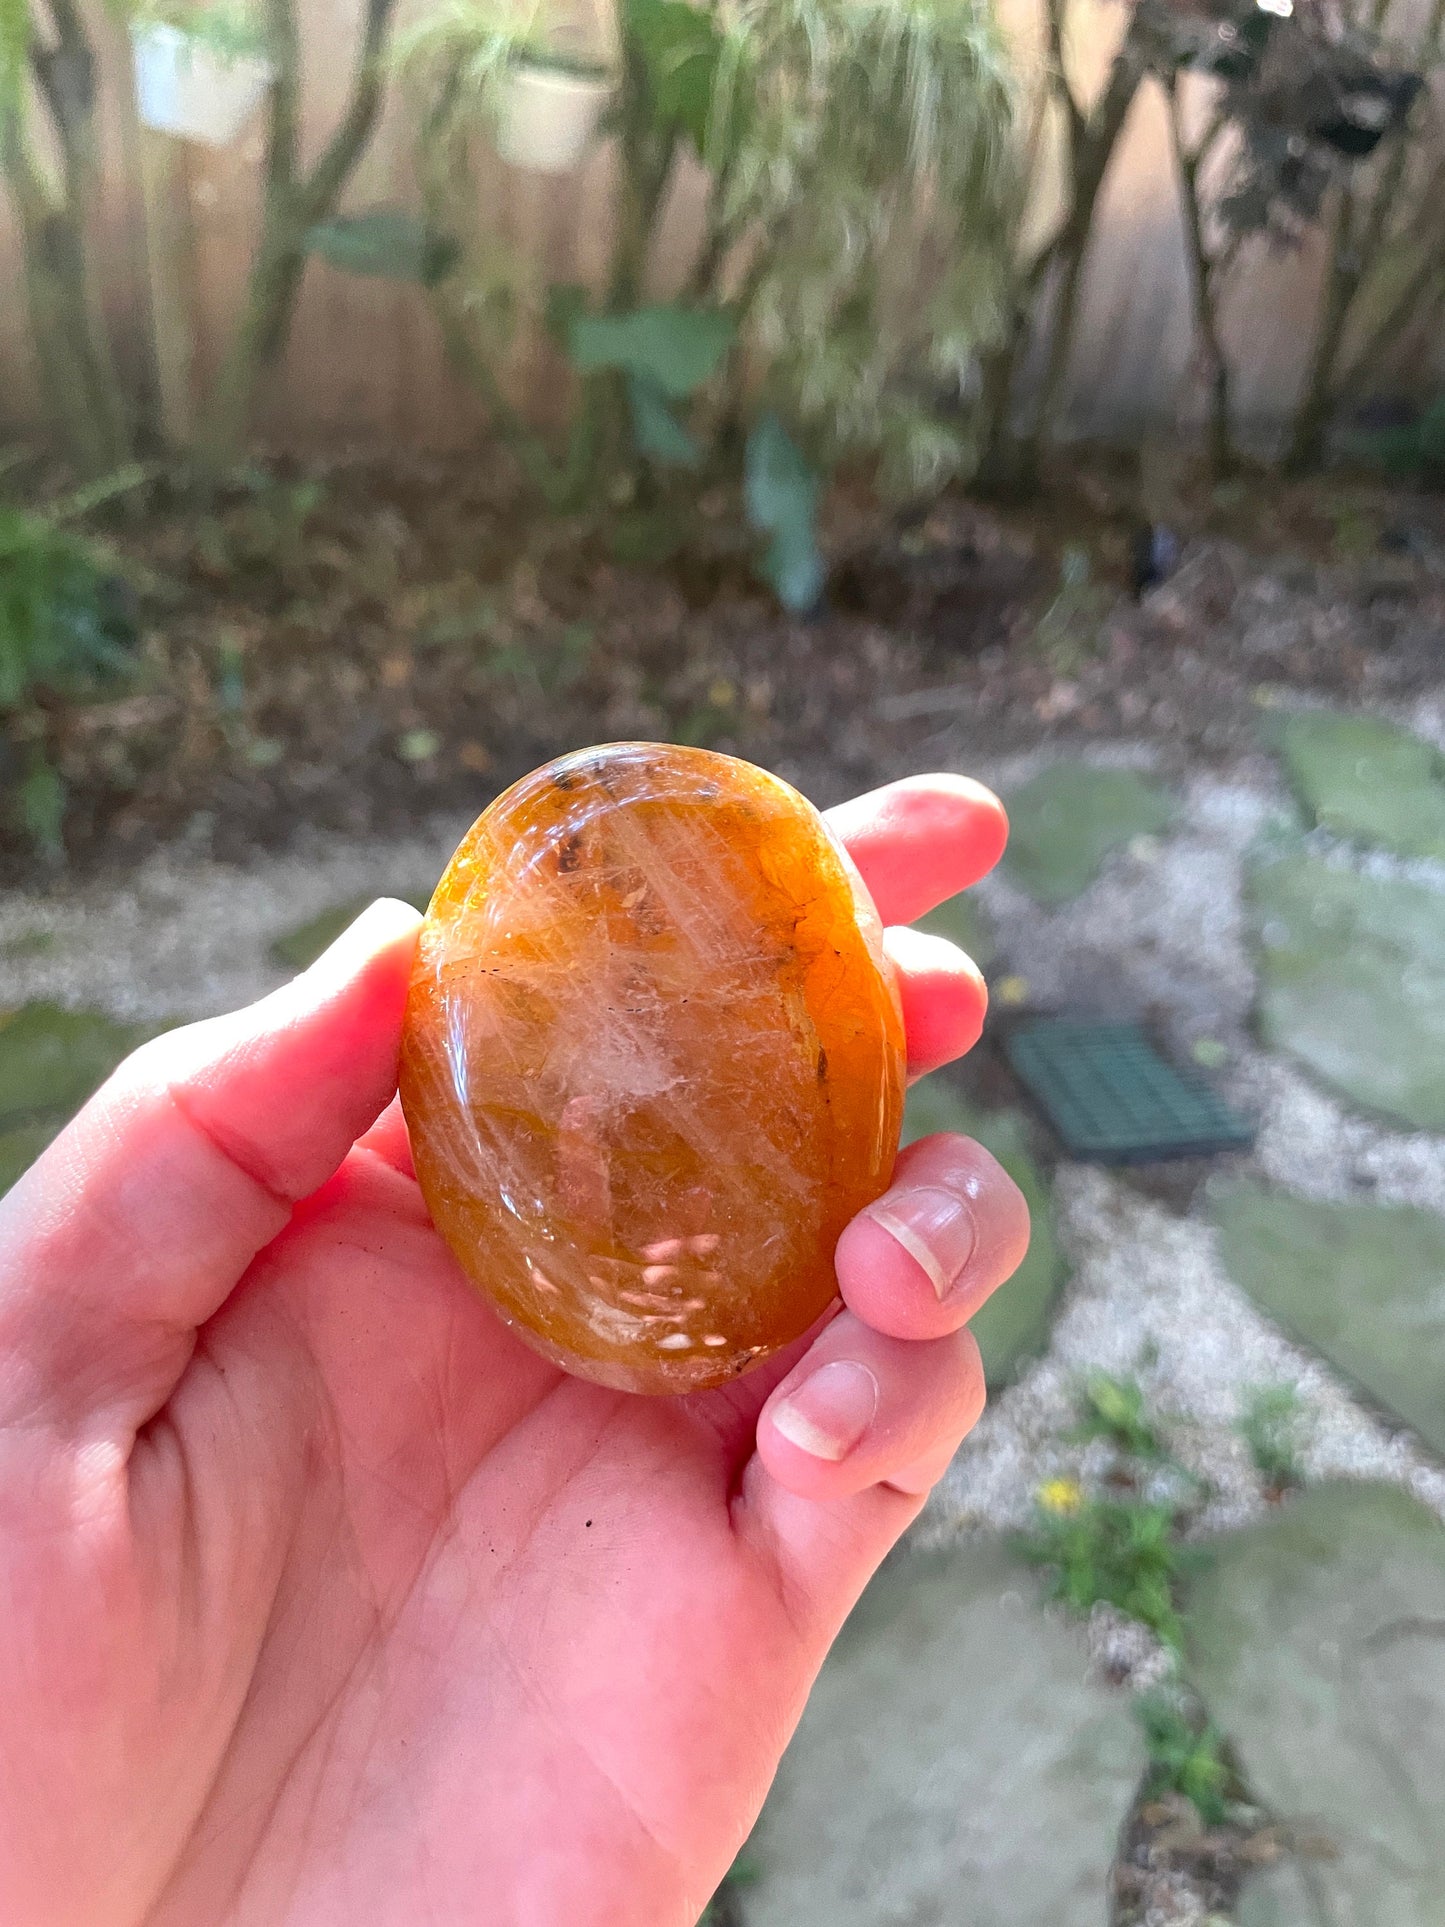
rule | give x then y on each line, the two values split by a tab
396	394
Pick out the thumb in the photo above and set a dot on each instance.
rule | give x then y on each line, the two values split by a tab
134	1226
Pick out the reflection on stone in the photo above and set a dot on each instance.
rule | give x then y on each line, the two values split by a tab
653	1062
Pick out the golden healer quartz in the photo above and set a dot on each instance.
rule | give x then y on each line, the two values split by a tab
653	1062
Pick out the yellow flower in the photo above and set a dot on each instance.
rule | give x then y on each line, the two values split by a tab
1061	1495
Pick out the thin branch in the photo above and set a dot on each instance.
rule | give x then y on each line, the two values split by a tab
344	148
1204	146
1397	316
1392	174
1054	13
1204	274
284	45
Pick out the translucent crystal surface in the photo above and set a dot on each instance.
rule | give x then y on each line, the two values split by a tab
653	1062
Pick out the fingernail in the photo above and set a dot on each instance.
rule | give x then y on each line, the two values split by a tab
830	1411
934	1226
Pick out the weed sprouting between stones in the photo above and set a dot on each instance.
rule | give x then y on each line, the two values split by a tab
1114	1409
1187	1754
1273	1426
1124	1551
1123	1546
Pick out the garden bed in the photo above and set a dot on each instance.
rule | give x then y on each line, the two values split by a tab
357	648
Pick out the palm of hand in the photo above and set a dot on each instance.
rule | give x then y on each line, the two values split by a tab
327	1599
492	1579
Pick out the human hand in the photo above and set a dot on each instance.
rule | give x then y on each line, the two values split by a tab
326	1600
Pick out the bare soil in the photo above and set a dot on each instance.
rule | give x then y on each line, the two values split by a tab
357	647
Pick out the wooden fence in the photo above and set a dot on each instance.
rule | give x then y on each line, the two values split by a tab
365	365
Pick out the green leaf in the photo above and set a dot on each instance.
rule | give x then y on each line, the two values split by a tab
674	348
781	494
42	808
566	303
681	47
386	244
658	433
15	33
795	570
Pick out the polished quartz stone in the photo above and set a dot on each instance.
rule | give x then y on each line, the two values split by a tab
653	1062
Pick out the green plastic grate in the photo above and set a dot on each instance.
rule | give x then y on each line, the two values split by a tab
1113	1099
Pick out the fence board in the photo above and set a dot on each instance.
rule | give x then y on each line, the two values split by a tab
365	365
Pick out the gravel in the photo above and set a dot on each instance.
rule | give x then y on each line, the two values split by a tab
184	937
1162	929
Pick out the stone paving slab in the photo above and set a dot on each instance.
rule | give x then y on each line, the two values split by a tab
1278	1896
1365	779
1014	1324
1065	822
955	1764
1353	983
1318	1641
1362	1283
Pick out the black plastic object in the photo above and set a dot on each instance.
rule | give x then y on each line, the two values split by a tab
1113	1099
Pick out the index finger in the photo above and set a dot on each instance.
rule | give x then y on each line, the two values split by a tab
919	841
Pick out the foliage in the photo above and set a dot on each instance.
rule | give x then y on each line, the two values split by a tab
1114	1409
230	29
66	628
781	493
299	199
1045	275
49	162
674	348
544	665
262	526
722	1909
459	52
64	619
1186	1755
1314	121
853	145
1067	631
15	33
850	146
1285	117
384	244
1272	1426
1415	451
1124	1552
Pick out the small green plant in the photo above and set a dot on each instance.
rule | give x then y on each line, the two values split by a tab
1414	453
722	1909
1186	1755
1123	1552
1114	1409
1066	634
64	619
66	627
1272	1426
546	665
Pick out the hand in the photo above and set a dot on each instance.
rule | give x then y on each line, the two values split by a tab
326	1600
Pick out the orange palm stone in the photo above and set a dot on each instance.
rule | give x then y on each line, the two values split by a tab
653	1062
